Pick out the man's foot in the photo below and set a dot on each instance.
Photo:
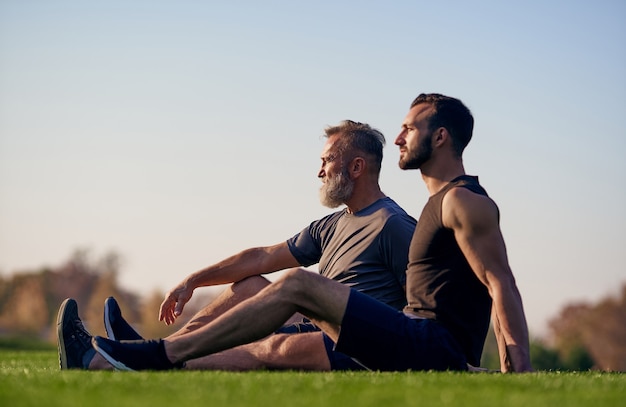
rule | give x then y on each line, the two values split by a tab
134	355
74	342
116	326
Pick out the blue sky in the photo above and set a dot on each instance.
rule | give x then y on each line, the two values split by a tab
177	133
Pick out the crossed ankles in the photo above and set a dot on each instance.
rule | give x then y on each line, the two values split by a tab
77	347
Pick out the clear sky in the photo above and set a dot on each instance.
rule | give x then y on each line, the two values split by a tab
179	132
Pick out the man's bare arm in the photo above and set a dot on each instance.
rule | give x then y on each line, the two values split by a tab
247	263
474	220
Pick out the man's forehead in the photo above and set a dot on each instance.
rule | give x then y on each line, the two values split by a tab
419	112
330	146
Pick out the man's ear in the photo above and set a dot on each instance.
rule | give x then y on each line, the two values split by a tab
357	167
440	136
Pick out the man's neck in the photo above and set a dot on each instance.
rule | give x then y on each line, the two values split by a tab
359	201
436	178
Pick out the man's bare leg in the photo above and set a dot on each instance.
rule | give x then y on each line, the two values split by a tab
231	296
298	290
307	351
303	351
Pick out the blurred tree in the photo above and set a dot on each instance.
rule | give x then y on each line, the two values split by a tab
544	358
150	326
592	335
29	301
578	359
24	308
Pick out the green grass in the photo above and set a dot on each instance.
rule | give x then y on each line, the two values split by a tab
32	378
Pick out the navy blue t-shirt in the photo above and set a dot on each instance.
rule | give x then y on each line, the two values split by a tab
367	250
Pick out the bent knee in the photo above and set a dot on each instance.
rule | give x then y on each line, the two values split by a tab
249	286
295	272
298	278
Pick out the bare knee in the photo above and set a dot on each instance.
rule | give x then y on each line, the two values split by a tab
295	281
230	297
249	286
313	295
293	351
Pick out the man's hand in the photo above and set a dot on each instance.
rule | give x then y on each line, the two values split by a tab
174	302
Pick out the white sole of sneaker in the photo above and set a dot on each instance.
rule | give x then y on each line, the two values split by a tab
60	340
115	363
107	322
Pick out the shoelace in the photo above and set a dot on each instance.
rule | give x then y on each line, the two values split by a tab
80	330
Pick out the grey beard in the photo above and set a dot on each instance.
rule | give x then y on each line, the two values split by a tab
336	191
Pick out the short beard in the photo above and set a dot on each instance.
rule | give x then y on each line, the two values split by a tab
414	159
336	190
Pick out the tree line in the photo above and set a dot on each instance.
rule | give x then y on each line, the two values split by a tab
29	300
582	336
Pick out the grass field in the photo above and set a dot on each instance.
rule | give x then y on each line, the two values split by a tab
33	378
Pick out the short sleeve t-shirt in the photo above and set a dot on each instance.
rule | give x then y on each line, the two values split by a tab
366	250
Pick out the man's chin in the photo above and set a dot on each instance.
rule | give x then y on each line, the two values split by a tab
407	166
331	205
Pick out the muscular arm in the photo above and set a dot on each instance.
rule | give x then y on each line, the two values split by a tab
474	220
247	263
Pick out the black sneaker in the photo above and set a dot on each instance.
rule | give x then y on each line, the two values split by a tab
74	342
134	355
116	326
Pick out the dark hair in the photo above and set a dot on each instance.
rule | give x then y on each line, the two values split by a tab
452	114
359	138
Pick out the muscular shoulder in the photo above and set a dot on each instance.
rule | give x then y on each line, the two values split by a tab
462	208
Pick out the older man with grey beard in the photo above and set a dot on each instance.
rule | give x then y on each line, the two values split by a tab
364	246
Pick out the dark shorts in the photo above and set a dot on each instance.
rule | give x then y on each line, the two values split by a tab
338	360
382	338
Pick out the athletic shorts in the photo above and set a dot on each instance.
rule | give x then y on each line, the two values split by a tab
382	338
338	360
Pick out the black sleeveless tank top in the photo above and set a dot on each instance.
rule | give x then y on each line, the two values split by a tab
440	283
